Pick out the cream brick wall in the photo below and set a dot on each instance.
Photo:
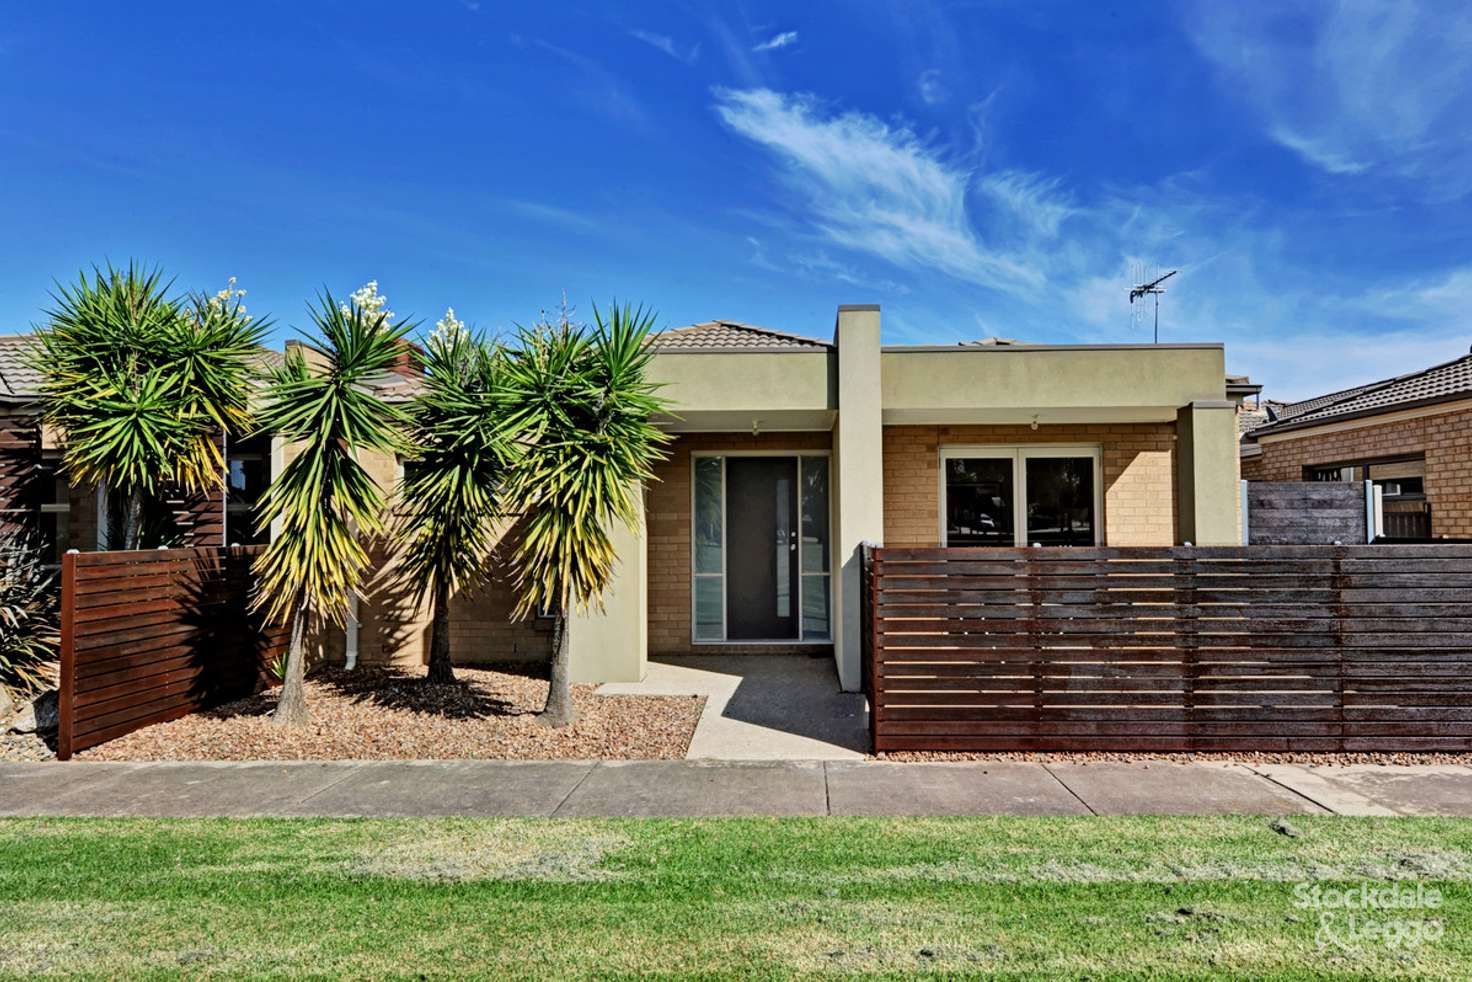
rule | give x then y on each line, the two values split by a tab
667	510
1445	439
1137	461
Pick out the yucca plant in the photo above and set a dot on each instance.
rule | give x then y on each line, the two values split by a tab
451	493
29	626
581	407
141	385
324	499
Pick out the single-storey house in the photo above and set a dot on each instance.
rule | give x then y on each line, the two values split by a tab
789	453
1410	435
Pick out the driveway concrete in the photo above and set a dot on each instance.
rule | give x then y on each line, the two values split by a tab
761	707
715	788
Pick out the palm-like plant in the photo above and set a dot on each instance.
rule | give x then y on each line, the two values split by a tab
581	407
142	386
451	493
323	498
29	630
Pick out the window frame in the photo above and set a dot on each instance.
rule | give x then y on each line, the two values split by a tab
1019	453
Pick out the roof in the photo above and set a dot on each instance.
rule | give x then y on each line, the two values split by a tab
992	342
732	336
1439	383
17	379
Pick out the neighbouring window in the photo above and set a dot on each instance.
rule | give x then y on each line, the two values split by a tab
54	508
815	574
1400	478
710	561
248	473
1008	496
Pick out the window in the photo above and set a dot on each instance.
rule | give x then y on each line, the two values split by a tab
247	474
54	507
1007	496
1400	479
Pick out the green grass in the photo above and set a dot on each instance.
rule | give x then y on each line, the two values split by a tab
766	898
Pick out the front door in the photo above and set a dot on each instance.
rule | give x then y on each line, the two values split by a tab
762	563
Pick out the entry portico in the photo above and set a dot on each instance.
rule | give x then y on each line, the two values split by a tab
790	452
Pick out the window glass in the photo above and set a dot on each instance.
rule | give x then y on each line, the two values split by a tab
979	501
815	608
708	608
246	480
1060	501
815	514
708	557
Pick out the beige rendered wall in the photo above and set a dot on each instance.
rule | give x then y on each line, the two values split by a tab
609	641
858	480
1137	466
1444	437
667	512
1208	496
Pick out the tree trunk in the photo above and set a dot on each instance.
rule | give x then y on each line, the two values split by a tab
559	711
440	668
291	708
132	520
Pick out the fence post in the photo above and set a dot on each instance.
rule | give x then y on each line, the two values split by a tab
1186	610
66	683
869	664
1246	509
1337	590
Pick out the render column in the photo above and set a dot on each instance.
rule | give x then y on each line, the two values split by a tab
1206	473
858	478
612	644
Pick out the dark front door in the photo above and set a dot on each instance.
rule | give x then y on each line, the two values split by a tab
761	566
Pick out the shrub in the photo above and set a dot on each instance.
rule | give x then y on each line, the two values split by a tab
30	632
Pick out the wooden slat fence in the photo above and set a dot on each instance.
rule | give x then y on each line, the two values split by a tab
1268	648
1282	513
154	635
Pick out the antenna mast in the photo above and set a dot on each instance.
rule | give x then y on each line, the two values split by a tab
1153	288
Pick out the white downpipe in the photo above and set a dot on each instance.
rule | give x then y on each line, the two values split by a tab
352	632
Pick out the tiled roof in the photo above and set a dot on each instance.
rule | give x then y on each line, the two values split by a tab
992	342
16	377
726	335
1449	380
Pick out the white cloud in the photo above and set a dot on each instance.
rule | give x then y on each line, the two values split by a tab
1374	86
932	90
876	188
777	41
663	42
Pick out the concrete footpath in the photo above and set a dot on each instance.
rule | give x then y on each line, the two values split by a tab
575	789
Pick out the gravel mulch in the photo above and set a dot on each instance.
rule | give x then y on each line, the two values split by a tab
24	746
1309	759
383	714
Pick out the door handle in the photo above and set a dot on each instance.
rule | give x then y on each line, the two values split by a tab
792	541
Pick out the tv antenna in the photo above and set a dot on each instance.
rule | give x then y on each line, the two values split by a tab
1152	289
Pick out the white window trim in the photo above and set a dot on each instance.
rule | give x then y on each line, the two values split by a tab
1018	453
797	455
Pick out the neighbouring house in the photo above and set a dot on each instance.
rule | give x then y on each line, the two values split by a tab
790	452
1411	436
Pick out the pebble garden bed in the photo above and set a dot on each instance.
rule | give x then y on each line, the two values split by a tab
383	714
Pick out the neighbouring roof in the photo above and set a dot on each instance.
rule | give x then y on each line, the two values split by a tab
732	335
17	379
992	342
1439	383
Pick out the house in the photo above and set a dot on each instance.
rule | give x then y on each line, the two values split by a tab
789	452
1410	435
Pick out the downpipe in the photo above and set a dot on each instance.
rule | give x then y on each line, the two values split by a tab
352	633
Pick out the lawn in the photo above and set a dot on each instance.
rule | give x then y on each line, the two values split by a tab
764	898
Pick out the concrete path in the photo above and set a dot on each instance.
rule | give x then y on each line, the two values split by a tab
707	788
761	707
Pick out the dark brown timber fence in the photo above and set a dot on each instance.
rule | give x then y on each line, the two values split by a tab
1271	648
152	636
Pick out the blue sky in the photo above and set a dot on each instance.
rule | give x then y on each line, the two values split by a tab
976	168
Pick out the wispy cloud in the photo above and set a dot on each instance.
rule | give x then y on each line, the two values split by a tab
777	41
1354	88
932	90
602	91
874	187
687	54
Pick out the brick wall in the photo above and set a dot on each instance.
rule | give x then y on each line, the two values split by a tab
1445	439
1138	466
667	509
